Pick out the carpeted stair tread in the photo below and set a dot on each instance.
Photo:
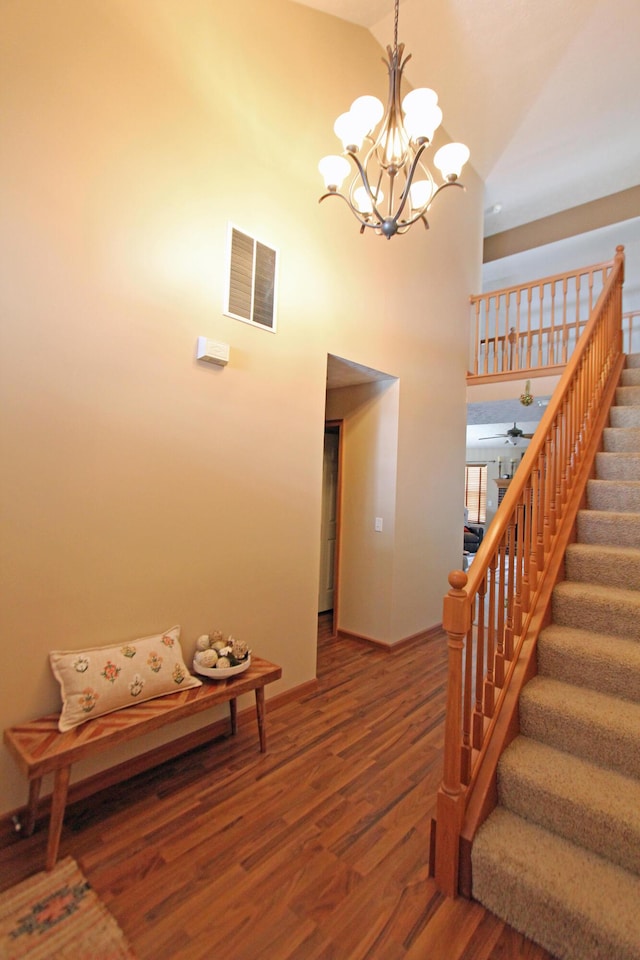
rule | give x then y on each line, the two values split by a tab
600	563
604	609
627	396
609	527
599	661
572	902
590	724
630	377
622	496
618	466
624	417
623	439
580	801
632	360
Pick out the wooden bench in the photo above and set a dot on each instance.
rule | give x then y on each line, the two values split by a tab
39	748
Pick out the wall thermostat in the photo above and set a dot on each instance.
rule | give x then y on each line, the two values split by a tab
212	352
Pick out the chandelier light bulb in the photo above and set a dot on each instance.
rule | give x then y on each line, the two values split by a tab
419	99
369	111
362	199
394	147
421	123
450	160
422	115
334	169
420	193
349	131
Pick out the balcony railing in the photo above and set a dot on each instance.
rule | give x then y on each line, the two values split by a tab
533	329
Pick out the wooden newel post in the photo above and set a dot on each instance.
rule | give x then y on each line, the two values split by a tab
456	620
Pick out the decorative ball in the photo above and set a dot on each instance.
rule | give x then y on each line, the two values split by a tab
216	636
202	643
222	663
207	658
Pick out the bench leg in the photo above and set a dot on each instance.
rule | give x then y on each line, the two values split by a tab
260	712
233	715
32	806
58	803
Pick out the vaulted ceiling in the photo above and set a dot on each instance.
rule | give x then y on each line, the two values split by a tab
546	94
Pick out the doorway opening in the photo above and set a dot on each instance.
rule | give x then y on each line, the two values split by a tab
360	451
330	526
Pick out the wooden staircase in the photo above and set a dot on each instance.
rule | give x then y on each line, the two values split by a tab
515	593
559	857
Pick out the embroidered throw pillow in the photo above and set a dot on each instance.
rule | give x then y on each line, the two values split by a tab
103	679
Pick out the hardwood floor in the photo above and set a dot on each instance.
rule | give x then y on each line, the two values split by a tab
316	850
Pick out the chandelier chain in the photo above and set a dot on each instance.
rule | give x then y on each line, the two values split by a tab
395	27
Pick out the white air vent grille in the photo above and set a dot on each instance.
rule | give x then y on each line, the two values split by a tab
251	280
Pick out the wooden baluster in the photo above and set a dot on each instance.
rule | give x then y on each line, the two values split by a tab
497	363
513	349
487	311
583	382
506	600
565	329
478	715
500	624
450	800
517	329
579	391
529	296
553	504
477	346
540	323
488	688
533	528
574	398
511	553
558	465
526	545
595	374
515	568
466	750
551	354
547	496
564	451
577	323
507	330
568	439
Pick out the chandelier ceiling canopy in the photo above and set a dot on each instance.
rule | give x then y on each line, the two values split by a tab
392	188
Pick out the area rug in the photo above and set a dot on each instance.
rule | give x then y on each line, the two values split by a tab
58	916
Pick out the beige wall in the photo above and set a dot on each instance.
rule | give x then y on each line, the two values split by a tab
140	488
368	479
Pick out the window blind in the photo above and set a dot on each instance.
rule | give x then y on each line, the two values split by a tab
475	492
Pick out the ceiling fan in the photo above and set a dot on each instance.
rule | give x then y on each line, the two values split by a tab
513	436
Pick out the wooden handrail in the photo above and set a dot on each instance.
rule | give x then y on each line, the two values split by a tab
493	610
535	326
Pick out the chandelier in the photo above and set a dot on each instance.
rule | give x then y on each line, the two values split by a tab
392	188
